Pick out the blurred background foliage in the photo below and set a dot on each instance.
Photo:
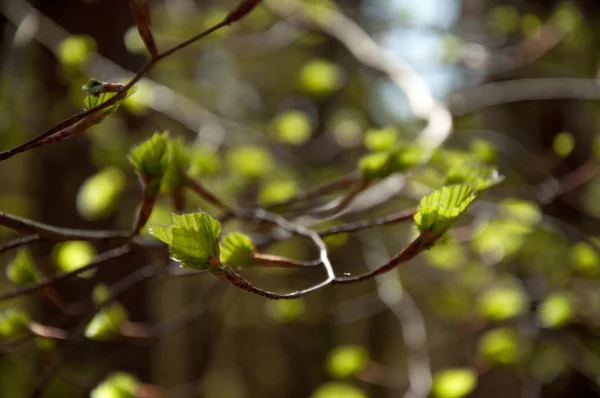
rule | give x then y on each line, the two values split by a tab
507	305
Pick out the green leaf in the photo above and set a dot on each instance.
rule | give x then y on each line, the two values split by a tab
382	164
285	310
346	361
13	323
320	77
473	172
99	195
192	239
116	385
500	346
293	127
22	270
556	311
277	191
250	161
375	165
337	389
454	383
75	49
563	144
179	161
71	256
382	139
584	257
439	210
91	101
237	250
150	158
161	215
204	161
106	324
502	302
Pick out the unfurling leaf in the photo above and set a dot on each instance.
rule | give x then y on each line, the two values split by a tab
103	94
141	16
192	239
116	385
473	172
237	250
22	270
150	160
179	161
439	210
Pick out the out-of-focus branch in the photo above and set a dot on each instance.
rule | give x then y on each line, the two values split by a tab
369	53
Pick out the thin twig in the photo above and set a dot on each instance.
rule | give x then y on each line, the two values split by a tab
18	242
393	218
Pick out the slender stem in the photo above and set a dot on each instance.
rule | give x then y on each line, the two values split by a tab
204	193
405	215
18	242
269	260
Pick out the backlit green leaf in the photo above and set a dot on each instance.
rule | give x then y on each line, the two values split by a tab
500	346
556	310
320	77
22	270
293	127
237	250
91	101
150	158
99	195
346	361
473	172
116	385
454	383
13	323
179	161
71	256
439	210
192	239
106	324
337	389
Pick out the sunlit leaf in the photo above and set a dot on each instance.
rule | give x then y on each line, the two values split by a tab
584	257
556	310
161	215
476	173
346	361
150	158
379	165
277	191
106	324
116	385
93	100
192	239
439	210
320	77
22	270
454	383
75	50
250	161
293	127
237	250
381	139
179	161
337	389
502	302
563	144
500	346
71	256
13	323
99	194
285	310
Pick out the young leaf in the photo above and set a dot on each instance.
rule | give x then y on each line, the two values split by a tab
150	160
13	323
106	324
22	270
473	172
454	383
439	210
237	250
179	160
346	361
116	385
71	256
93	100
192	238
141	16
